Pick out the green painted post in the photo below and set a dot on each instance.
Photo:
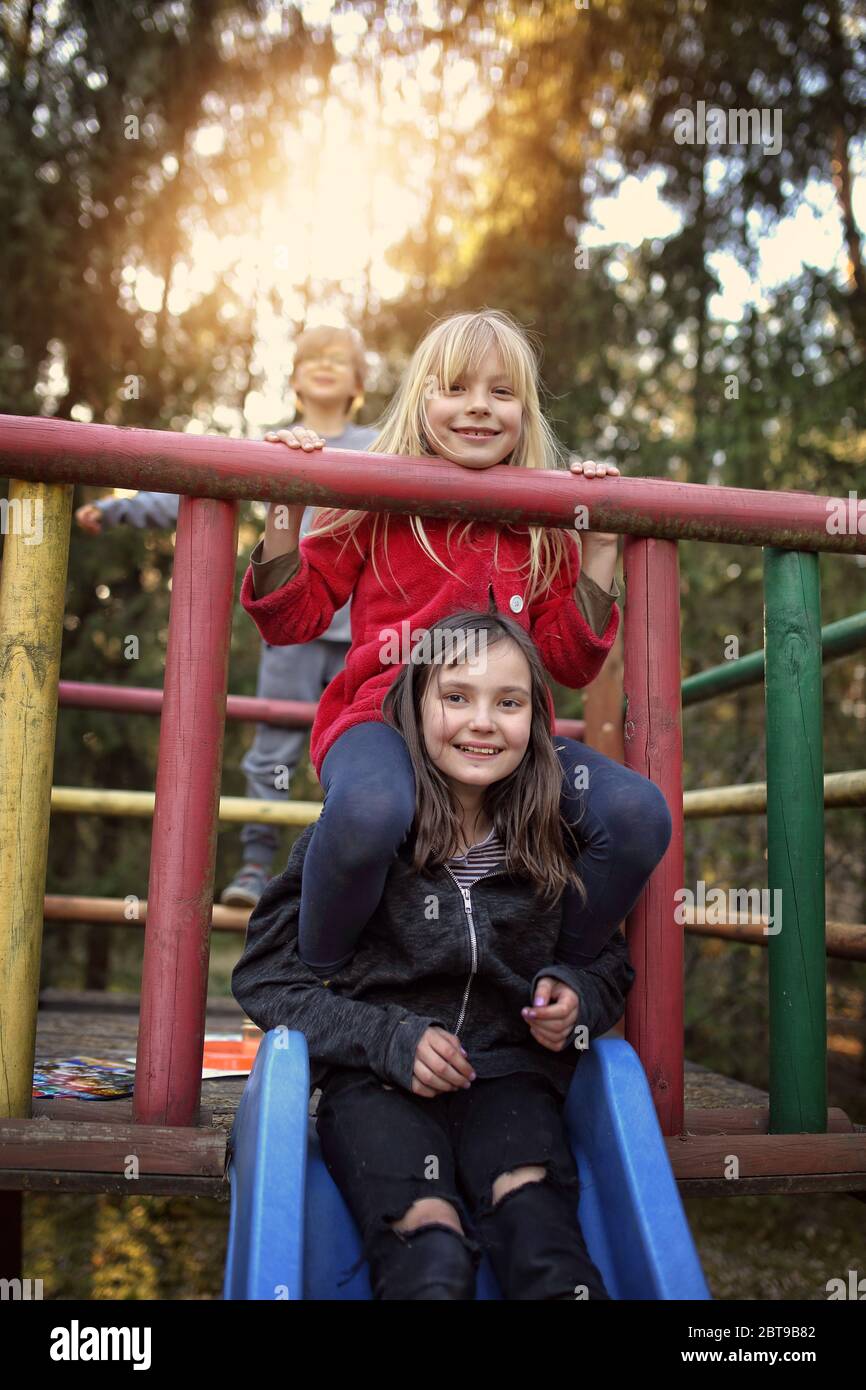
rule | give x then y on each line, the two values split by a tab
795	842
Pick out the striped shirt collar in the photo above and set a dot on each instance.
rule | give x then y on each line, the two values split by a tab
490	842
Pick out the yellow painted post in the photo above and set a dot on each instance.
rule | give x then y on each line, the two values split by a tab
36	520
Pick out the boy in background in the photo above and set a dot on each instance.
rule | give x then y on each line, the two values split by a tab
328	383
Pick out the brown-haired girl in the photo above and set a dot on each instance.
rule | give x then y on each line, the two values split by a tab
441	1116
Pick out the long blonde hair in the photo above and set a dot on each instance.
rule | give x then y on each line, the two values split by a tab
452	347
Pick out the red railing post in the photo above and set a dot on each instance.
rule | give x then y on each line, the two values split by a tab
183	848
654	1016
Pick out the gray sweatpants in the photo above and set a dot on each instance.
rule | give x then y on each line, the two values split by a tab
285	673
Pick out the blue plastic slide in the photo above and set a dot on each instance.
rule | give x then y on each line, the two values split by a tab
291	1235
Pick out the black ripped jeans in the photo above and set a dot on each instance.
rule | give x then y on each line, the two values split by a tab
386	1149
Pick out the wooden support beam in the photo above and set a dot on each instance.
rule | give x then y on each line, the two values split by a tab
88	1146
767	1155
32	595
183	849
845	940
841	789
750	1119
97	1112
253	709
100	801
148	1185
114	912
795	841
654	748
845	1184
212	465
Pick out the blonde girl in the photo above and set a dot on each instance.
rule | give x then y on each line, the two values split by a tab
469	395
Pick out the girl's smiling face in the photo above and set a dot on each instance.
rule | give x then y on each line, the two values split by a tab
481	704
476	420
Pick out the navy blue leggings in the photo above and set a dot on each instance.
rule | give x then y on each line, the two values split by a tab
622	821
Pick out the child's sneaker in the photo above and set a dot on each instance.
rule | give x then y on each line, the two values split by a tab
246	887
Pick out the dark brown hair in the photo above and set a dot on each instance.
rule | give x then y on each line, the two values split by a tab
524	806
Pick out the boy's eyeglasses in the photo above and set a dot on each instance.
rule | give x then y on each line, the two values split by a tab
320	359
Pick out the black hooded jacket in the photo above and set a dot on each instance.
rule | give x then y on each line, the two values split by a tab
467	960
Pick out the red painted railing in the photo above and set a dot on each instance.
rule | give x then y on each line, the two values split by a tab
289	714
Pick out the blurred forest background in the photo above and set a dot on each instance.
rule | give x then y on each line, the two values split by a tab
188	184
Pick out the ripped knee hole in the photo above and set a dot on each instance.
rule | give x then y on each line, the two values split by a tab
517	1177
425	1211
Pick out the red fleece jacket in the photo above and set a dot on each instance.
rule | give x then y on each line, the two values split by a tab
332	571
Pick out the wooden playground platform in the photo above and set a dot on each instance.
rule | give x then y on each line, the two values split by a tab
717	1132
86	1144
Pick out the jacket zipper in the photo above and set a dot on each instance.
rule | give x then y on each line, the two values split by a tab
473	942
